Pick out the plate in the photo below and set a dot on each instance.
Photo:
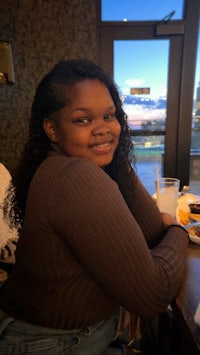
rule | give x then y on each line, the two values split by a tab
184	217
183	210
192	234
188	198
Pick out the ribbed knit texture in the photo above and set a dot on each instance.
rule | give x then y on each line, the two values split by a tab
83	253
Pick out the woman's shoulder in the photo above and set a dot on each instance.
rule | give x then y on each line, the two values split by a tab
69	174
63	161
62	166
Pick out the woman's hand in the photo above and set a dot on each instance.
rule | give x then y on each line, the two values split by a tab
168	220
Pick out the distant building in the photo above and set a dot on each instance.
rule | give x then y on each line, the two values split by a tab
197	109
198	97
195	141
155	125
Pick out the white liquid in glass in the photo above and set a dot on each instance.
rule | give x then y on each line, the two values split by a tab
167	200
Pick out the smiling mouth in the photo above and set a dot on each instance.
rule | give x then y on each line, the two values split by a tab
102	148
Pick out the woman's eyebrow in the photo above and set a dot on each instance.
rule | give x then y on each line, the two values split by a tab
111	107
81	109
88	109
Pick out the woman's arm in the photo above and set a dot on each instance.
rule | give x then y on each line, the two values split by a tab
108	240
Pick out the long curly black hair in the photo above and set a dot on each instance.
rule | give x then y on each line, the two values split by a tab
49	98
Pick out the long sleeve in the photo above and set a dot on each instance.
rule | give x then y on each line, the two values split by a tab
82	247
110	243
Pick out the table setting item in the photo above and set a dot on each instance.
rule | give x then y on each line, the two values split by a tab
167	190
184	206
197	315
188	215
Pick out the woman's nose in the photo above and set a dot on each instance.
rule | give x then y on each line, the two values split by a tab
101	130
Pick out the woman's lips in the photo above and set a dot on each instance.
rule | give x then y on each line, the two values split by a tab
102	148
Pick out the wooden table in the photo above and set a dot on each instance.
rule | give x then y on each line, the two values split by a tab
187	301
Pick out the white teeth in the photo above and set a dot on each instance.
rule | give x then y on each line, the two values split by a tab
101	145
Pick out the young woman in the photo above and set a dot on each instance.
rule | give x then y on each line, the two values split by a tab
93	242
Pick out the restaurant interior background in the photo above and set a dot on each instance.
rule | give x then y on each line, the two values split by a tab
153	48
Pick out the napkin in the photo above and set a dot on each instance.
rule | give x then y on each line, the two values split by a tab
197	315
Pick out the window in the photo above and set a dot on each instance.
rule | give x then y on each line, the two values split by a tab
141	10
142	79
149	56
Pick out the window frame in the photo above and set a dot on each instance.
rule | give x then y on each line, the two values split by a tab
181	76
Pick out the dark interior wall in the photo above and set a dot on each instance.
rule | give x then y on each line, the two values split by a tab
41	33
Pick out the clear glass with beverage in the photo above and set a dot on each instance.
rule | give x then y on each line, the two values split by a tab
167	190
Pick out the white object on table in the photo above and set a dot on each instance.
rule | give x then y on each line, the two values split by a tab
197	315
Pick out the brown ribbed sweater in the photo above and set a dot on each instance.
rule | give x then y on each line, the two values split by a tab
83	253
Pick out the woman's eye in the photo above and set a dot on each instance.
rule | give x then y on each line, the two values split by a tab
83	120
110	117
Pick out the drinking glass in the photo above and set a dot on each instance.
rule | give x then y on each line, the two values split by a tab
167	193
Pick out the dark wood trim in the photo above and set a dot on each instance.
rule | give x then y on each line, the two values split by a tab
187	89
173	108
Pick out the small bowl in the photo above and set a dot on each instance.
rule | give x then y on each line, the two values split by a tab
194	208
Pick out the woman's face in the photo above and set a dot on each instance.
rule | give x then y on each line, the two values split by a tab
86	127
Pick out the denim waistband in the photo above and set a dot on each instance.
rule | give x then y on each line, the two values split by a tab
31	329
4	322
19	337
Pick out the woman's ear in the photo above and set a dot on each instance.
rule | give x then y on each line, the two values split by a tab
50	129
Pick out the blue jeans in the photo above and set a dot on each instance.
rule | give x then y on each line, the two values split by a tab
17	338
